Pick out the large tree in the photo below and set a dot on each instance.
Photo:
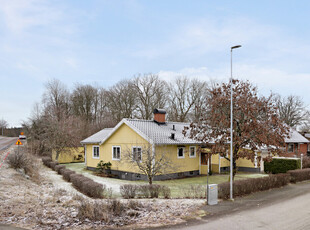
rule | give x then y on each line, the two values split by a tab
185	96
256	123
151	93
292	110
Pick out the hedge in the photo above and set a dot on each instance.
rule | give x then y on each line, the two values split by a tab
299	175
281	165
243	187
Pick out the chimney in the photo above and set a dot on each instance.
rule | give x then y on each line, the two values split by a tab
160	116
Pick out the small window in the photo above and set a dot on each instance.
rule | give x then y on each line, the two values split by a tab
181	152
137	154
116	153
290	148
192	151
96	152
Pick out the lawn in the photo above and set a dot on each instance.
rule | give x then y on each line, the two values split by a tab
177	186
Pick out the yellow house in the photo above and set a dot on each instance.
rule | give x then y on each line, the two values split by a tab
133	138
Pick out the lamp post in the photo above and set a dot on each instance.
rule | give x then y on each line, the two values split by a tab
231	124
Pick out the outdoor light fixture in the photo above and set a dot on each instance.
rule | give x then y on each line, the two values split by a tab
231	124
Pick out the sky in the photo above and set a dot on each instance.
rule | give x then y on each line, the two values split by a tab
100	42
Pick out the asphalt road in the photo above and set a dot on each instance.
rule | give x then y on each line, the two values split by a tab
284	208
6	142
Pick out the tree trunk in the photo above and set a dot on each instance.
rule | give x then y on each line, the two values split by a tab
150	180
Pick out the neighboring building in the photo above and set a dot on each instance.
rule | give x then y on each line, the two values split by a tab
69	155
296	144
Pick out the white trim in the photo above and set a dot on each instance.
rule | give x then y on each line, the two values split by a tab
98	152
183	152
85	154
120	150
190	151
132	152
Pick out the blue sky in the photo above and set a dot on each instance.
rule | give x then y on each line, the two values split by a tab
101	42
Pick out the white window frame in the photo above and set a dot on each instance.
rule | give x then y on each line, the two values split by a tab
96	146
190	156
183	152
133	153
120	150
288	147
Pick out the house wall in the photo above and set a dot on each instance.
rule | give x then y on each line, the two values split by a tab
180	164
129	138
69	155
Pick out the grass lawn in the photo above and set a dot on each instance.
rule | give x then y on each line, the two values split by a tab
176	185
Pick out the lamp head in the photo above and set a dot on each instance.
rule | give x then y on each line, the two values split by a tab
235	47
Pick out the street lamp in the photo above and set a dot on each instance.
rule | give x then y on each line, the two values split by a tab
231	124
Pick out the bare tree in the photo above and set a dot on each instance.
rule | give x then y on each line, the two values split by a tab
186	96
84	99
151	92
292	110
122	100
56	99
3	125
256	123
149	161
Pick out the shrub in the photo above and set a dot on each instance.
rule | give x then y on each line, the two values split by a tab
154	190
52	164
103	167
166	192
281	165
59	167
243	187
92	189
46	160
78	179
116	207
18	160
87	186
128	191
299	175
143	191
194	191
66	174
306	162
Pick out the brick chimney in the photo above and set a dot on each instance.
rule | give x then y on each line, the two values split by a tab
159	116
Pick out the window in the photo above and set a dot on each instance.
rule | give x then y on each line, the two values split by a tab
290	148
137	154
192	151
181	152
96	152
116	153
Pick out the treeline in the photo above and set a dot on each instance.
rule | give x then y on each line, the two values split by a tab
64	117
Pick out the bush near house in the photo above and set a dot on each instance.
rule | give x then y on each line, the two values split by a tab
281	165
299	175
243	187
88	186
66	174
52	164
46	161
130	191
59	167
